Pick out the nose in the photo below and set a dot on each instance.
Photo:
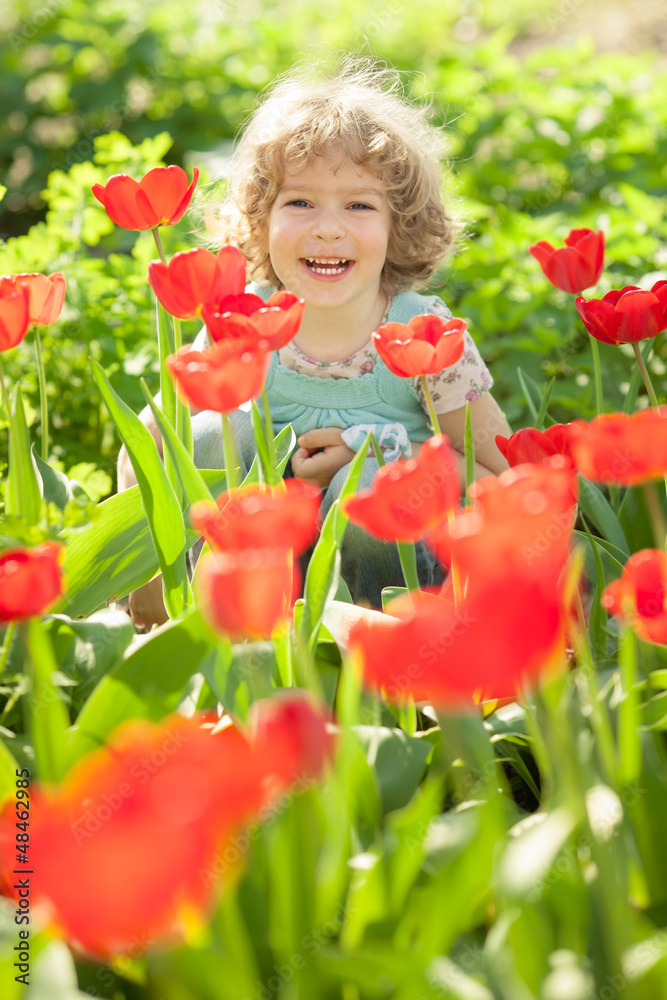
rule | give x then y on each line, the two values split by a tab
328	225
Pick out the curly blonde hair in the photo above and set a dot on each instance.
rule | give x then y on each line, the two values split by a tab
358	108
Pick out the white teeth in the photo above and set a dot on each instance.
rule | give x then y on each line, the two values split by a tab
326	260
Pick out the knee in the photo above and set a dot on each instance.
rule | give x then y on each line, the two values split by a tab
336	485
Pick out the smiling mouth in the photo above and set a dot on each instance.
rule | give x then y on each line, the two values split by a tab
327	265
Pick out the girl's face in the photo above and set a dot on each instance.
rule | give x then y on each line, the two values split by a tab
328	234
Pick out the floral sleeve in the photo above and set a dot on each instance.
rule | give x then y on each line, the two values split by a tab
460	383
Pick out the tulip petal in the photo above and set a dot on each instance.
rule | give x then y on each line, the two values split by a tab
121	203
162	190
638	315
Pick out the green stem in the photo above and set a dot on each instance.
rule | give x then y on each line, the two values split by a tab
229	450
433	416
270	442
183	423
590	694
42	396
158	244
4	652
408	556
469	449
597	376
12	432
647	378
656	515
6	401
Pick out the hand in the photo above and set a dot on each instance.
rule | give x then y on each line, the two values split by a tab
146	605
322	453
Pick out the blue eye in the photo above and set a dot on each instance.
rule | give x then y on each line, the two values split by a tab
298	201
361	205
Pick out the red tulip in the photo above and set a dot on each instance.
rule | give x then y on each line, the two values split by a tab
14	312
531	445
522	521
575	266
247	592
195	278
512	559
619	449
627	315
160	198
252	518
507	630
46	294
638	596
276	321
31	580
221	379
424	346
290	730
141	830
408	499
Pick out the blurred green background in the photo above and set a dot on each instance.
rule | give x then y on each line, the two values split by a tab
555	115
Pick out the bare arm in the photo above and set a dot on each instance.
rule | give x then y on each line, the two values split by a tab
487	421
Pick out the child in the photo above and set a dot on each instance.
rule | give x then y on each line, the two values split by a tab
334	194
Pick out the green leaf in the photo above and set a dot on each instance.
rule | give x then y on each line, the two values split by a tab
191	479
469	452
323	568
149	683
259	431
55	485
115	554
532	406
23	497
399	761
163	511
598	510
597	617
49	720
544	405
87	648
8	768
531	852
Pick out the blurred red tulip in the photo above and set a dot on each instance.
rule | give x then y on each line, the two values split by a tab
621	449
247	592
195	278
276	321
160	198
424	346
31	580
14	312
231	373
638	596
531	445
627	315
408	499
512	556
46	294
290	729
253	518
508	629
140	831
522	520
575	266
